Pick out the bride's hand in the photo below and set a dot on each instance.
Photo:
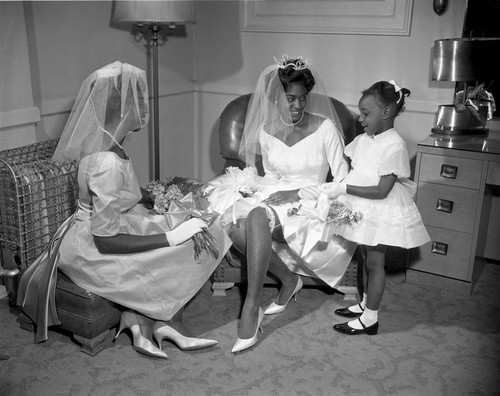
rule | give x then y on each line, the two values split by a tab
282	197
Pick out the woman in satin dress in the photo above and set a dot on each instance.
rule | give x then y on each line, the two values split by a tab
112	246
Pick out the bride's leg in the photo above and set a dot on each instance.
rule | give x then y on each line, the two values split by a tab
258	253
287	278
277	267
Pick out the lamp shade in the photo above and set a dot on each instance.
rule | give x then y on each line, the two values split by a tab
462	59
164	11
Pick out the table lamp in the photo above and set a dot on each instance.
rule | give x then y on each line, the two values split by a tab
151	17
470	62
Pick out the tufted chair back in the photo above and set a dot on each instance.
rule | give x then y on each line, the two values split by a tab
232	122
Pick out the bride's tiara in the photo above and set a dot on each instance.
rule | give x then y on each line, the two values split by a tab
298	64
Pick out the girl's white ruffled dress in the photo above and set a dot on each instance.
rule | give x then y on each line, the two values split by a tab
395	220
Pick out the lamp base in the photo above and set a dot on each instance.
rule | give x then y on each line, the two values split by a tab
450	121
447	130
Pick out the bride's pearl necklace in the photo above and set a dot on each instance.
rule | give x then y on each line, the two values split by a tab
293	123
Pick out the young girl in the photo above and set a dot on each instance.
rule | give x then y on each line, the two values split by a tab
378	186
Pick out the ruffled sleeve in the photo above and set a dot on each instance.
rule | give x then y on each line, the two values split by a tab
334	150
105	182
395	161
351	147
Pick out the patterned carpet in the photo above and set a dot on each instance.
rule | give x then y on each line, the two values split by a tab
430	342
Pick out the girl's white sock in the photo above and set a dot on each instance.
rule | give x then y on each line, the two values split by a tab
358	308
368	318
363	301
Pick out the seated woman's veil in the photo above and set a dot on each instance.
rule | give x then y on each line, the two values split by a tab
269	109
110	101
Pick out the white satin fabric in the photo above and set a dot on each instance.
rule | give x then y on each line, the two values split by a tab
306	163
156	283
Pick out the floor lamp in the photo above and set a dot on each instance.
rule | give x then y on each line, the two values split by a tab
151	17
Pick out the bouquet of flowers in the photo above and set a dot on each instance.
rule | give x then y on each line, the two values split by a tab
339	213
232	186
179	199
158	194
318	219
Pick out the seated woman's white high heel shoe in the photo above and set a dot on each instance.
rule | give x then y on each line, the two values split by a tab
130	320
162	330
274	308
242	344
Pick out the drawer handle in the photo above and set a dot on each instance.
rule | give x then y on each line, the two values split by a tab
443	205
449	171
439	248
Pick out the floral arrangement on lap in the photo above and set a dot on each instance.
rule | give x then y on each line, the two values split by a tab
320	212
179	199
339	213
319	219
225	190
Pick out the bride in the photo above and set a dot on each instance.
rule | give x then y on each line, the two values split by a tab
295	136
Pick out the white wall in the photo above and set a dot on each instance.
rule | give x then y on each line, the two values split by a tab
18	115
228	62
49	48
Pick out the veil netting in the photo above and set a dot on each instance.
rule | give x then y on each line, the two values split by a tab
268	110
112	102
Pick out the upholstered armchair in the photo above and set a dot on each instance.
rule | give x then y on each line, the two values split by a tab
231	270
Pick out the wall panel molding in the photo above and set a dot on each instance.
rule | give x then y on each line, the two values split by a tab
64	105
373	17
349	99
19	117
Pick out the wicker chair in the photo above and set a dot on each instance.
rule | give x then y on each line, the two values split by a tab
232	268
36	196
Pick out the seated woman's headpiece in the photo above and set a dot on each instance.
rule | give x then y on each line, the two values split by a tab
112	102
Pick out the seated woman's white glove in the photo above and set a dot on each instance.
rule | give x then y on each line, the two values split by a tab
333	189
185	231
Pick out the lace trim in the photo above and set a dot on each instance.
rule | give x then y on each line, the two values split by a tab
271	217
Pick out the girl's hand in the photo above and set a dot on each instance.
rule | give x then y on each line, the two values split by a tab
282	197
333	189
185	231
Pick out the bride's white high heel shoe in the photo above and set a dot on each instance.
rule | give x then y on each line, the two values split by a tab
274	308
135	323
244	343
162	330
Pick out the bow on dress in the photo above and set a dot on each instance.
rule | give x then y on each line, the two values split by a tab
310	223
181	210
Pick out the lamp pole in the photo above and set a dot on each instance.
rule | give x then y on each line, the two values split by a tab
149	17
155	28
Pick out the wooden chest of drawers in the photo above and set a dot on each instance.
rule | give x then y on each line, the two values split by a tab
452	180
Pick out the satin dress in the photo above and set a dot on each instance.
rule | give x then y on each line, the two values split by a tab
395	220
156	283
305	164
